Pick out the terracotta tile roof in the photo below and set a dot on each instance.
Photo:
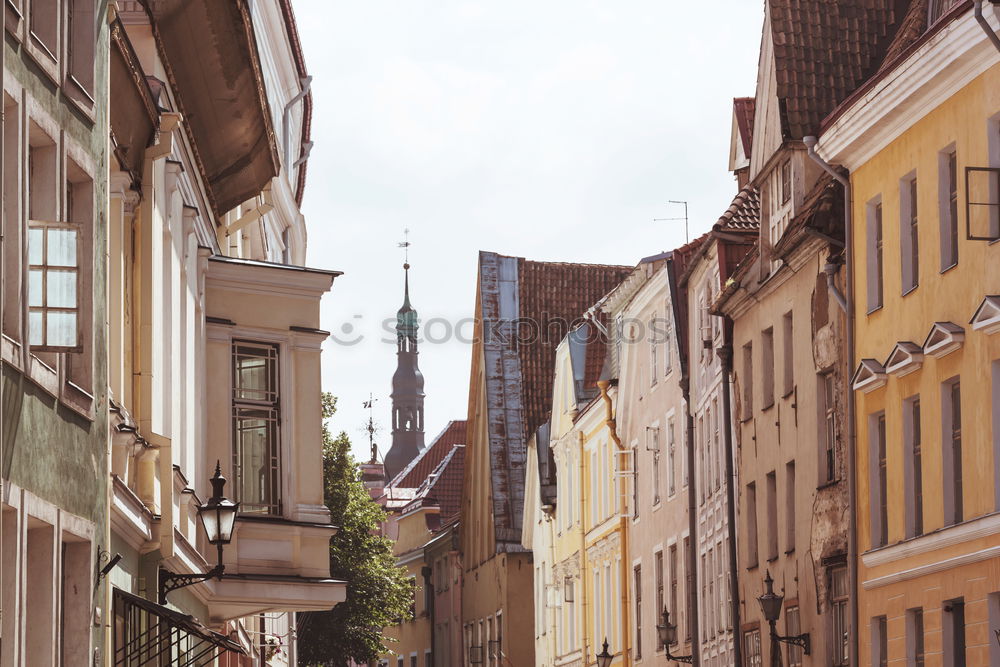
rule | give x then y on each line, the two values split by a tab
420	468
555	293
444	488
743	213
823	50
597	353
526	308
743	109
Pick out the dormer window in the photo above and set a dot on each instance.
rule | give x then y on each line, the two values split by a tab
778	204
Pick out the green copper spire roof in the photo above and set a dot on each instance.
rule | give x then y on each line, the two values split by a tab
406	318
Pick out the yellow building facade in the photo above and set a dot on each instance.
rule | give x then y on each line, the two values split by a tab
927	353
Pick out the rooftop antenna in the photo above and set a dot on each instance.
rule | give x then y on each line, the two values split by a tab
687	238
371	427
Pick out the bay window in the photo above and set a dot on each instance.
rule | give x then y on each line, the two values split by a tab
256	419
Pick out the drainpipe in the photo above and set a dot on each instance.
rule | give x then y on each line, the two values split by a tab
583	560
726	357
609	420
305	83
984	24
852	535
692	559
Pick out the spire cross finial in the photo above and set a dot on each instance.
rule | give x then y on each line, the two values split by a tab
405	245
371	427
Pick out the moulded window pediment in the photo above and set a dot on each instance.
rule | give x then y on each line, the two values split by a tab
905	358
869	376
987	317
944	338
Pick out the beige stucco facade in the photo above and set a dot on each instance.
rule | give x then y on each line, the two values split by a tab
927	354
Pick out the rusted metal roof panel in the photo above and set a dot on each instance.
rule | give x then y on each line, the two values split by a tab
211	58
526	309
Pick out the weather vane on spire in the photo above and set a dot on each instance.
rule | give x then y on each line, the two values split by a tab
405	245
371	428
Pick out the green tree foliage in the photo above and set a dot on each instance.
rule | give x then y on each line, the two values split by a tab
377	591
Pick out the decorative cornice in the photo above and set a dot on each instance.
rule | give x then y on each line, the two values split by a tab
939	539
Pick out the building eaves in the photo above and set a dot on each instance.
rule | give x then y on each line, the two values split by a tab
743	108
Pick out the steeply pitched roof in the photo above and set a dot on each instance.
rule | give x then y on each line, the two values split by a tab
526	309
420	468
743	109
823	50
743	213
444	486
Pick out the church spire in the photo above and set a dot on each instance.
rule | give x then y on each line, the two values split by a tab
407	384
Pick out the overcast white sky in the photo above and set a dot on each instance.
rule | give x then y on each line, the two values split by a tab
549	129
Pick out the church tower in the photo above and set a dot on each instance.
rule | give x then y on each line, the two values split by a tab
407	390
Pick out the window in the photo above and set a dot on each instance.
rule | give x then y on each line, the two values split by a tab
747	411
751	525
688	582
793	627
777	204
654	445
658	565
671	458
256	415
996	436
45	25
839	594
788	364
954	633
880	642
673	587
667	335
751	647
829	468
637	573
948	207
877	466
653	353
707	627
909	249
13	232
635	483
915	637
82	40
874	260
767	367
786	181
54	286
913	467
951	412
790	506
772	516
717	464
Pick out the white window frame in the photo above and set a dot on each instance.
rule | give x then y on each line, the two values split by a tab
45	269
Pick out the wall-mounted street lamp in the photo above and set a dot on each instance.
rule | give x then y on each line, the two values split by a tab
604	658
667	634
770	604
218	518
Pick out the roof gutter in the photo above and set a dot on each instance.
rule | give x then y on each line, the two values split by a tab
305	84
849	307
981	20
